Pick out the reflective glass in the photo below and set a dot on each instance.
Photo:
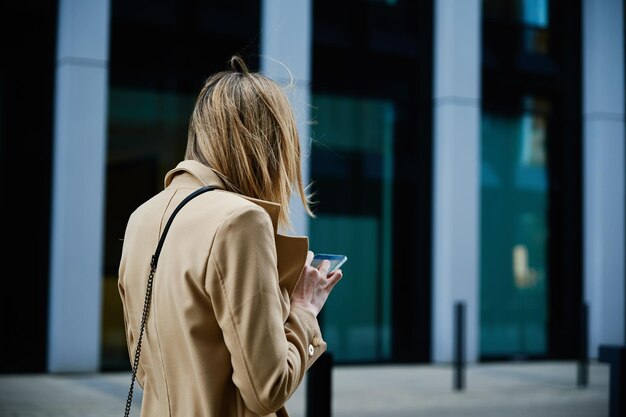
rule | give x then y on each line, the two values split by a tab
161	53
147	131
514	232
528	12
530	18
371	169
352	161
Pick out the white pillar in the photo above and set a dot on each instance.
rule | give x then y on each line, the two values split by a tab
78	186
603	118
286	42
456	112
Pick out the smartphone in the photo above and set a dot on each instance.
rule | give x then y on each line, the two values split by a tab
335	260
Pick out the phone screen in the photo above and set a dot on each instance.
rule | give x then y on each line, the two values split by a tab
335	260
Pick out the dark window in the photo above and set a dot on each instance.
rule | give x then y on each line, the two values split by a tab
371	167
161	54
531	247
29	32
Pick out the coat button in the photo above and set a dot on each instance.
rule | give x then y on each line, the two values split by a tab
316	340
311	350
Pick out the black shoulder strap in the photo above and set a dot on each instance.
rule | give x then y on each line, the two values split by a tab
155	257
146	305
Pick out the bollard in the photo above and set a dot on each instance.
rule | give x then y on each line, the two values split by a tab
583	356
319	387
615	356
459	346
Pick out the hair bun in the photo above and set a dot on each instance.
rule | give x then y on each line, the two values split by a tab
237	64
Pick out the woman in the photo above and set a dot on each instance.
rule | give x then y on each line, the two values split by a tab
232	325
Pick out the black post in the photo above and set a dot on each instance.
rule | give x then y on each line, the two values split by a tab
459	346
319	387
615	356
583	356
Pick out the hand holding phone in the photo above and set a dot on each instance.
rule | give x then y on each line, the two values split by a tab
336	261
311	292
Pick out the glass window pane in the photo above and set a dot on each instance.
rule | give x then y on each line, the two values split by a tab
352	164
159	61
527	12
514	233
535	12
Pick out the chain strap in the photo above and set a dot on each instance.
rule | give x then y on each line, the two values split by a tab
146	303
144	318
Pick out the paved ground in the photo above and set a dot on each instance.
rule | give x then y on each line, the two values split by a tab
510	390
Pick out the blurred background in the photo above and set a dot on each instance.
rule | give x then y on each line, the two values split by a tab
460	151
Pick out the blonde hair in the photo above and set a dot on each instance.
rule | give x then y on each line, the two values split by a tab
243	128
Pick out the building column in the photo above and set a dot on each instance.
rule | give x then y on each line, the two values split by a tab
286	47
78	186
603	149
456	159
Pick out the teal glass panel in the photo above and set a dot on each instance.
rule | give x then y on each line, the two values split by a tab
350	319
160	57
534	13
352	173
147	134
148	124
530	17
514	233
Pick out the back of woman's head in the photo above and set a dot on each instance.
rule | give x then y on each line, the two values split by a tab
243	127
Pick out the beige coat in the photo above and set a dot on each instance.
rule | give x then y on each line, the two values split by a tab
222	338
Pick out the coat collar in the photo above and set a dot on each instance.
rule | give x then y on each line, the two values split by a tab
199	175
291	250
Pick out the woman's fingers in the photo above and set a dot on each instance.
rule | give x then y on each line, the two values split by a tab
315	285
309	258
333	278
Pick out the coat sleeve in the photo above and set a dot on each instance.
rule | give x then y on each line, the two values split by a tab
130	337
269	355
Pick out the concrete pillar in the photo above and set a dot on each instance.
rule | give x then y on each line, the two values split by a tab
78	186
456	112
603	149
286	47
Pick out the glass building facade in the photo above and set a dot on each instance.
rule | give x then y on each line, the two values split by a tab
530	179
159	62
371	162
26	122
364	134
